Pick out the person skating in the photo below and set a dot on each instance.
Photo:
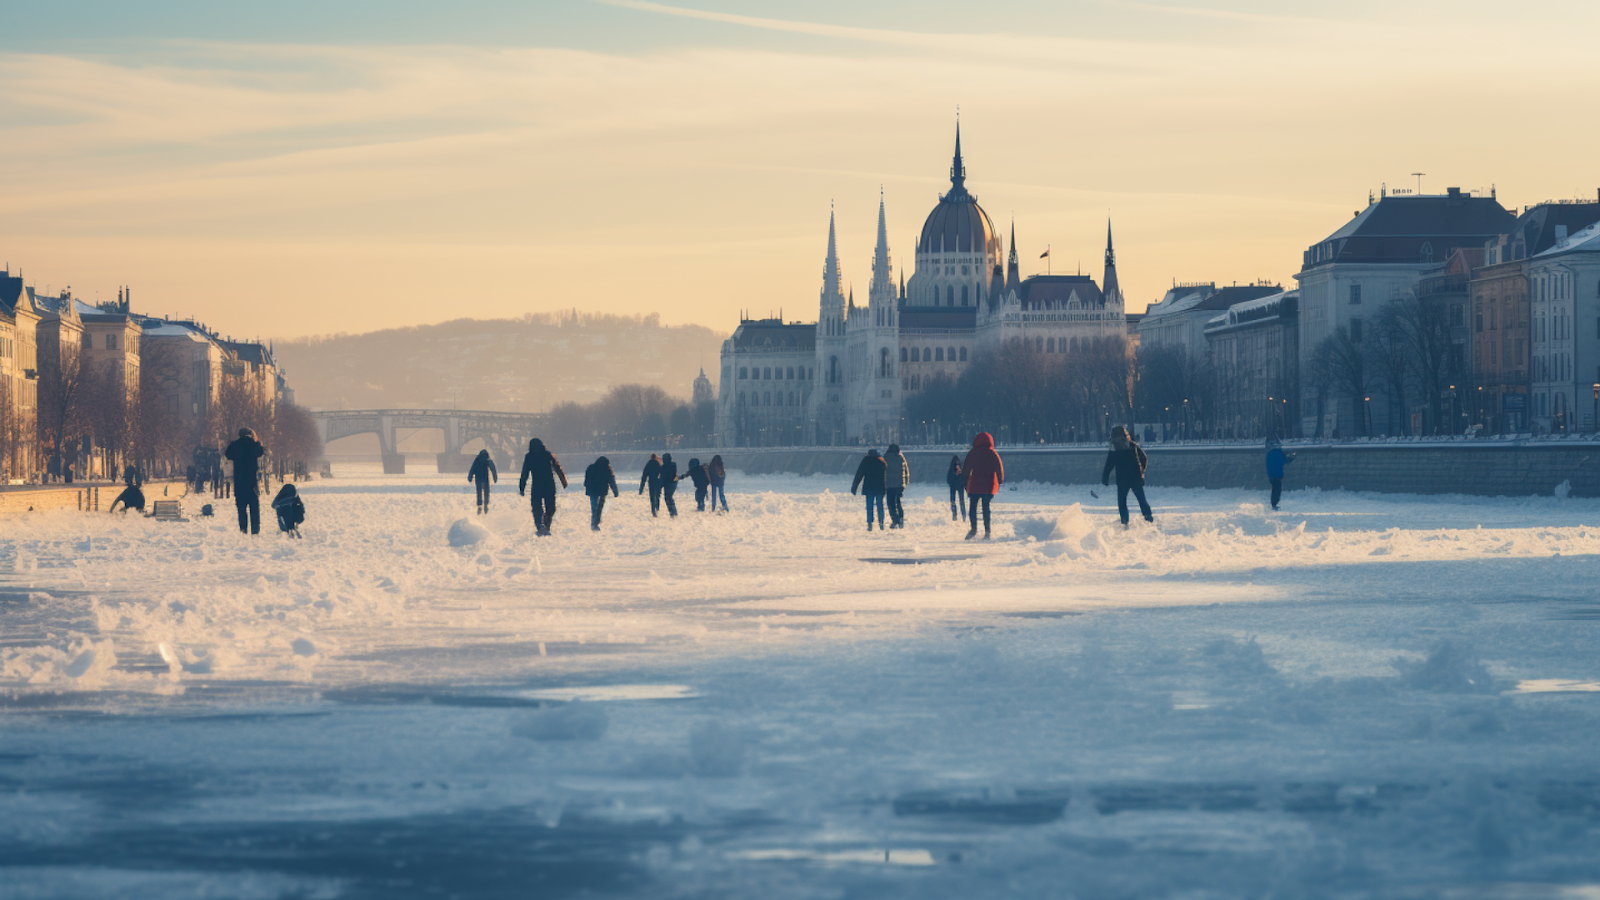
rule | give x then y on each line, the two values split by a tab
482	474
597	479
719	482
871	478
652	479
984	475
897	479
245	453
701	476
130	498
1128	460
957	480
540	471
1276	460
291	511
669	484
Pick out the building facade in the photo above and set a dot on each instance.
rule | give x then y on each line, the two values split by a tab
1254	353
1564	300
853	369
1377	257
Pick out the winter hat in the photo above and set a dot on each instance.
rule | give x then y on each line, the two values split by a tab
894	448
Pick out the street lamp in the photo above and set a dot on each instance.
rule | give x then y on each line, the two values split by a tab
1368	414
1596	416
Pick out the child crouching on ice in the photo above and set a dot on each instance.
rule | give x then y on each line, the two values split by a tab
291	512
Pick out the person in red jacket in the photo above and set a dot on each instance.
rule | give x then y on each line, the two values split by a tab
985	474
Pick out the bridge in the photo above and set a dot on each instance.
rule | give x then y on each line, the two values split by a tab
505	433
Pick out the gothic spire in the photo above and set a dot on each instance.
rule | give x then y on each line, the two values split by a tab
882	287
830	267
1109	286
958	172
1013	272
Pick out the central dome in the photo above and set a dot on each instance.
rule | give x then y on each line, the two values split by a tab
958	224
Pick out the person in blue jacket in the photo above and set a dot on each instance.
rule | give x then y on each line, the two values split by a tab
1276	460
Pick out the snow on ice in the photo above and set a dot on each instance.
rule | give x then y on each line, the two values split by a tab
1359	696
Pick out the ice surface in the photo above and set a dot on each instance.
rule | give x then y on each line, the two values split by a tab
1359	696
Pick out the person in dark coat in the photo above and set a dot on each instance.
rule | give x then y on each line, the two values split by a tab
597	479
130	476
246	453
669	484
984	473
291	511
701	477
719	481
957	480
871	478
1276	460
130	498
652	479
540	471
1128	460
482	474
896	481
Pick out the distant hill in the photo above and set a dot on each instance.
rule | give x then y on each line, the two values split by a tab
526	365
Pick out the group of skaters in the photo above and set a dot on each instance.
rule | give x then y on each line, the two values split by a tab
542	471
881	479
244	455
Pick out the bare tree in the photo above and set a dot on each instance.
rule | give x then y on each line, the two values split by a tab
1393	364
61	395
1341	366
1423	322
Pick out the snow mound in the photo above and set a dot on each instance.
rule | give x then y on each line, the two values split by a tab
466	533
568	722
1449	669
1073	524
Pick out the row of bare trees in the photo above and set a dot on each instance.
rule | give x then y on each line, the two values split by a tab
1023	395
630	416
1406	354
89	409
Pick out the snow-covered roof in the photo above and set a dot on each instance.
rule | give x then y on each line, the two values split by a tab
1585	241
163	328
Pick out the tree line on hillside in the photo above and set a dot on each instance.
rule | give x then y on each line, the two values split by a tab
631	416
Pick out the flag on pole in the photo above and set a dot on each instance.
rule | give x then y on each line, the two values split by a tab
1044	254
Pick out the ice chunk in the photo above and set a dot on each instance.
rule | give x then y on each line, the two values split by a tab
466	533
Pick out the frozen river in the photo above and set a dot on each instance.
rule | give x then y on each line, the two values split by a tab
1359	696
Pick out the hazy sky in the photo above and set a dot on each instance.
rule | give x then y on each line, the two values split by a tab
297	167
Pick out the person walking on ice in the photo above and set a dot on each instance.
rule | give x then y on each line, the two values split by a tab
701	477
719	481
1129	461
899	478
870	478
984	473
957	480
246	453
290	509
597	479
669	484
540	471
481	474
652	479
1276	460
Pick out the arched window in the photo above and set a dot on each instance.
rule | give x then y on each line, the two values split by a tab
833	370
884	370
1074	345
791	398
766	374
927	354
916	382
938	354
902	354
741	398
766	398
964	296
963	354
950	295
1427	251
1038	345
790	373
1050	345
950	354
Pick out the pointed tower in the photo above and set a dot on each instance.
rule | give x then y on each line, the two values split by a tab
831	307
1013	273
1109	286
881	294
958	171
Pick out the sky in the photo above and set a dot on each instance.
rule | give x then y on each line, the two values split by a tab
300	168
